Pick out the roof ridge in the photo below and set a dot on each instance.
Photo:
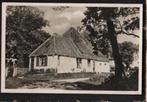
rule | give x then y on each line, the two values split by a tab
75	46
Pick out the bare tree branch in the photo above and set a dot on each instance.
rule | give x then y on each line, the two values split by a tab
122	30
127	33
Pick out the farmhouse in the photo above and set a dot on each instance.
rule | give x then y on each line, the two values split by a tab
69	53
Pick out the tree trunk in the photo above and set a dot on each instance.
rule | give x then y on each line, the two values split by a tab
119	68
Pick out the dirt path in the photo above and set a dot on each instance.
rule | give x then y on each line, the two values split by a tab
71	80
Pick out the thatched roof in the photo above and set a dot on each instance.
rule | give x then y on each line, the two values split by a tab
71	44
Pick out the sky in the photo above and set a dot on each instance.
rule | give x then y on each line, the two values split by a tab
61	20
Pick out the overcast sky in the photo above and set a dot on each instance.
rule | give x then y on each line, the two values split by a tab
62	20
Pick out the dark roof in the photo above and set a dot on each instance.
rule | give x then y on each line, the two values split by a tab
71	44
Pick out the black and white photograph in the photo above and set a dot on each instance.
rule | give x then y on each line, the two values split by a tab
71	48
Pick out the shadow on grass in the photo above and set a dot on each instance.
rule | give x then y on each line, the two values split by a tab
128	84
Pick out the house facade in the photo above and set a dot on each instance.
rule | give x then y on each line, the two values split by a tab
69	53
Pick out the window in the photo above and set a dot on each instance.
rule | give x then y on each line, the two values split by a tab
89	62
58	60
105	64
79	62
100	63
41	61
93	66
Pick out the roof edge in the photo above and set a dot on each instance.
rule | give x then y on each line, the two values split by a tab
40	46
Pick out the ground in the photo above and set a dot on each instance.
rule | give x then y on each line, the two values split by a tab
48	80
77	81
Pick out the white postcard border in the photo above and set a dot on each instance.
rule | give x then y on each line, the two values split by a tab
57	91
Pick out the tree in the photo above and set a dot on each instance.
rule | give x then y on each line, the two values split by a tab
104	23
127	50
24	31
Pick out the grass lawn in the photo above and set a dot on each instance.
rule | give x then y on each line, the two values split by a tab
101	81
51	80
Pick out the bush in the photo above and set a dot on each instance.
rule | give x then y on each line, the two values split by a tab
130	83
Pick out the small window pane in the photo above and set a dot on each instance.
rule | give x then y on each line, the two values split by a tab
41	61
79	62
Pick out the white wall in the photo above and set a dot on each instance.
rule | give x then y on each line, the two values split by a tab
85	64
52	62
69	65
102	66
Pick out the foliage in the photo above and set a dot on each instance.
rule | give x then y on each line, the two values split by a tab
95	23
24	31
127	50
105	23
98	33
